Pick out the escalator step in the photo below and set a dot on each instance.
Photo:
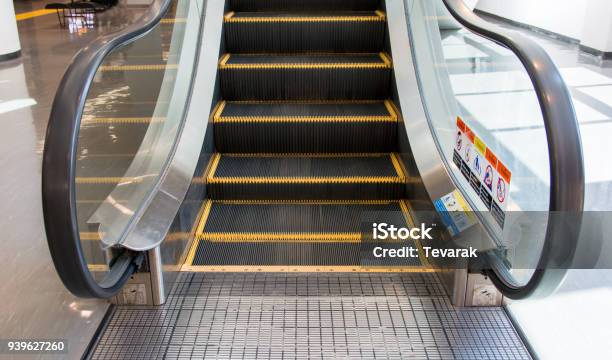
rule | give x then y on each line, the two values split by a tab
305	127
305	137
244	111
306	176
304	32
293	5
320	60
243	220
291	233
305	77
290	253
210	253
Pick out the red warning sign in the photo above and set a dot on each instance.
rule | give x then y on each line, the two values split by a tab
483	170
504	172
460	124
491	158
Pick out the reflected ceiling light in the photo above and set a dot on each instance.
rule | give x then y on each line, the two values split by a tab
16	104
123	209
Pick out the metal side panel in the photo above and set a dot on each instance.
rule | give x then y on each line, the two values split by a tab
431	167
152	227
430	164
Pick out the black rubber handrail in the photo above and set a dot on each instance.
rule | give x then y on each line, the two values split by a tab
59	164
567	181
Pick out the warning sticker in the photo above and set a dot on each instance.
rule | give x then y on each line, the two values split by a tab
483	170
455	212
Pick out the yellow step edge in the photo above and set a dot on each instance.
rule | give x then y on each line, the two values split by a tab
399	170
381	14
156	67
218	110
313	155
297	237
239	237
306	202
399	178
303	269
210	168
391	109
313	102
306	180
391	117
377	16
385	63
353	236
201	222
407	212
304	119
224	59
214	164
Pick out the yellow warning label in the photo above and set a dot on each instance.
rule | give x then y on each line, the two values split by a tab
480	145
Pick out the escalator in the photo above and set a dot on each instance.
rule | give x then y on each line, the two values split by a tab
305	134
268	136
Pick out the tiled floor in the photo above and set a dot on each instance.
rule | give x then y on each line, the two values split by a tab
280	315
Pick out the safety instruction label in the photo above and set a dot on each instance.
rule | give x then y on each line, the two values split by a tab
484	171
456	213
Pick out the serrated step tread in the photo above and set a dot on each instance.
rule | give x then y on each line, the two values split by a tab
229	61
287	111
336	16
306	168
258	220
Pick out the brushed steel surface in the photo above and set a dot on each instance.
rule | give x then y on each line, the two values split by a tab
174	248
150	230
157	276
431	167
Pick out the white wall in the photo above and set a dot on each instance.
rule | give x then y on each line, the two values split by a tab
446	20
565	17
597	31
8	29
588	21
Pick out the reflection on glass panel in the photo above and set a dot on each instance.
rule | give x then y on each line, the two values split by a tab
489	128
131	120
